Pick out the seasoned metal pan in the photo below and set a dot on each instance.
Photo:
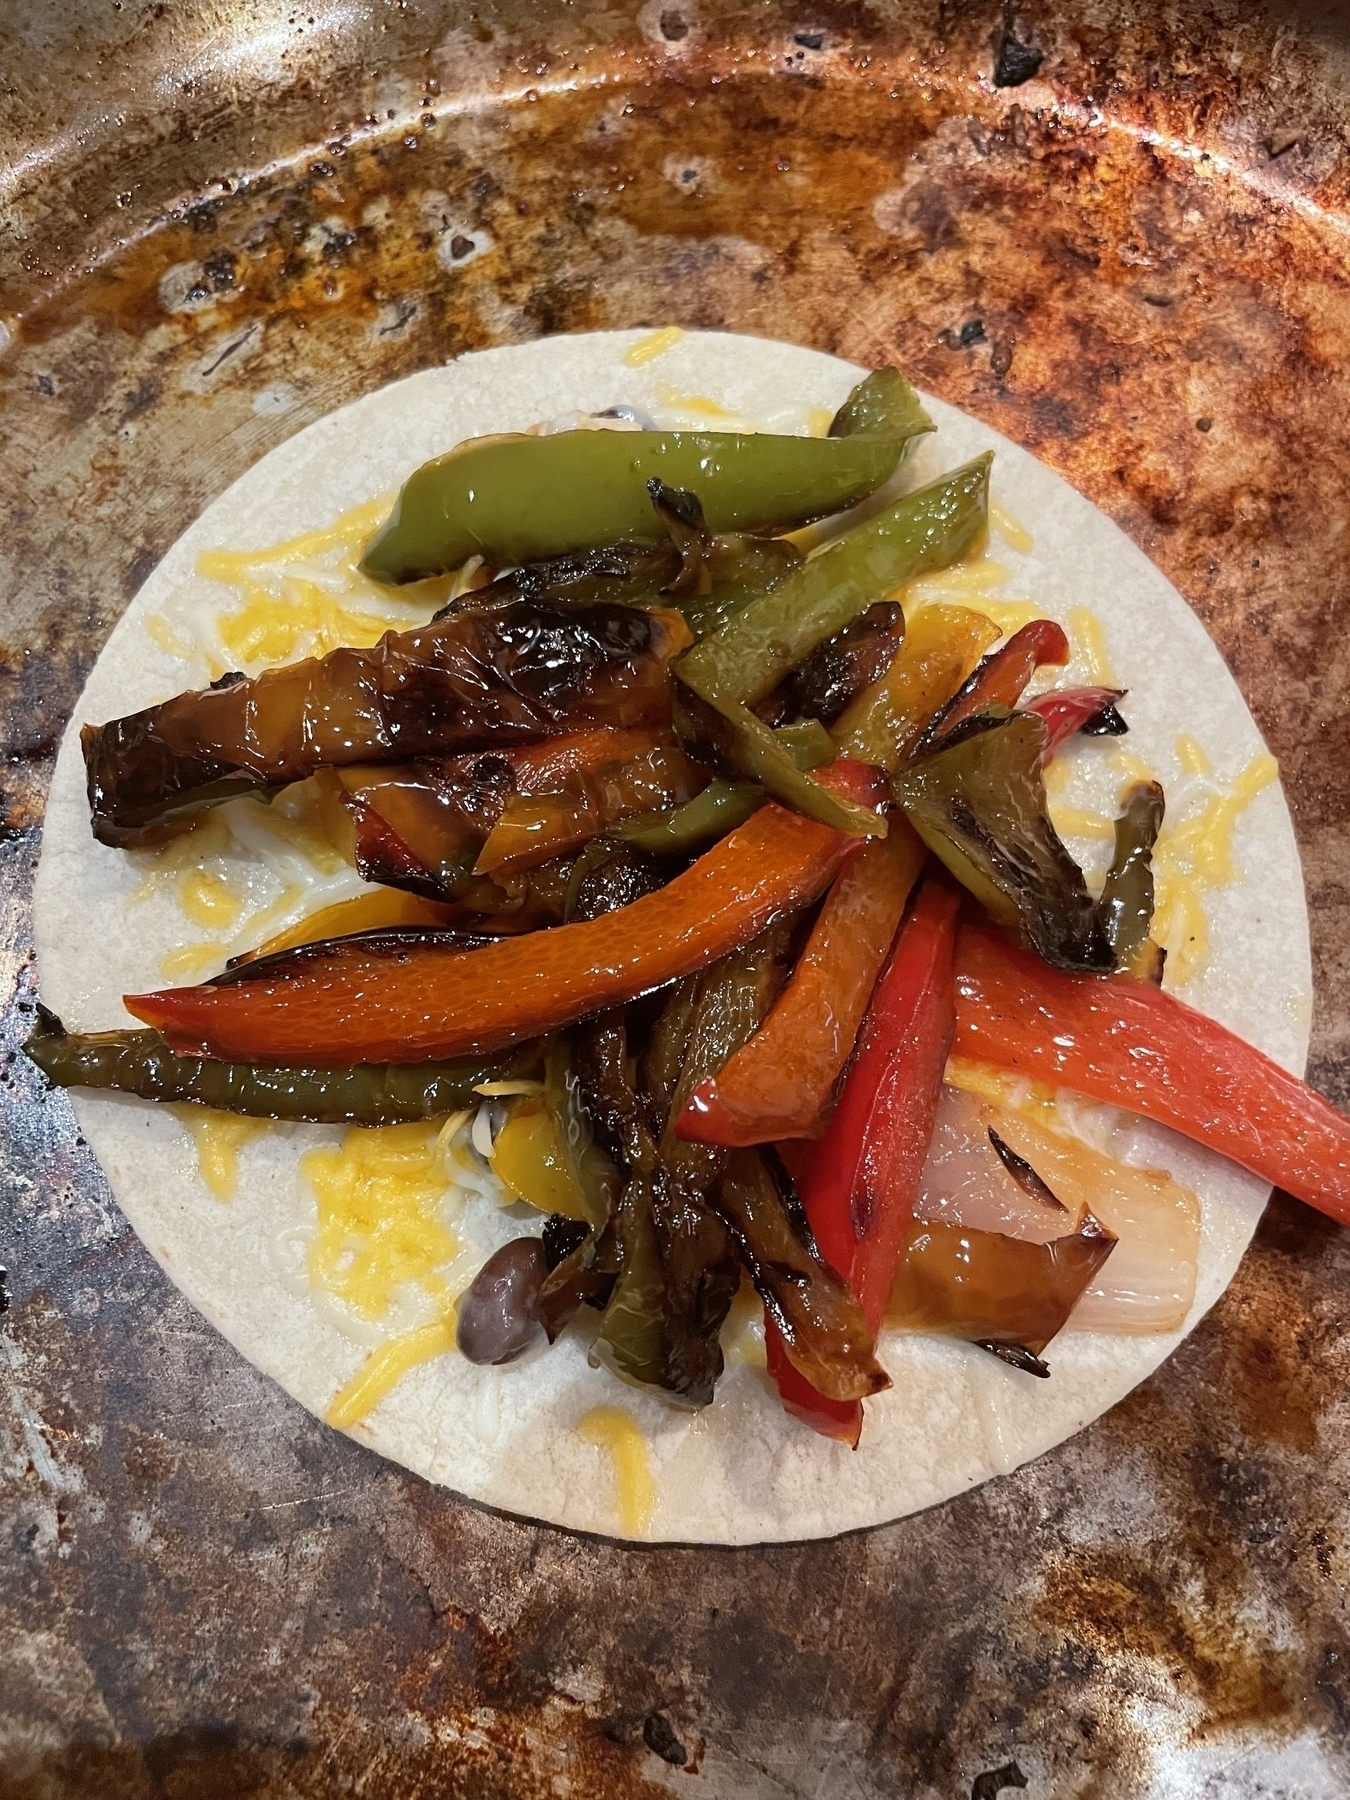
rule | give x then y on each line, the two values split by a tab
220	221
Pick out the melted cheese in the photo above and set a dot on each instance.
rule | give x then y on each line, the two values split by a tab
700	406
190	962
380	1217
219	1137
386	1366
1192	756
655	344
348	534
1192	858
1013	532
208	899
1089	643
818	421
612	1429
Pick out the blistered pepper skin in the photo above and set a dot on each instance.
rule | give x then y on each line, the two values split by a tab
497	673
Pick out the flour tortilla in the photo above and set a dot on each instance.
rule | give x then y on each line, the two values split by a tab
741	1471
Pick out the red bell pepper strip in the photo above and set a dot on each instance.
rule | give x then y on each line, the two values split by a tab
1067	710
1131	1045
406	1003
780	1083
859	1181
1000	678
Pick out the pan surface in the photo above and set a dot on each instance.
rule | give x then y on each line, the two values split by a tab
1120	235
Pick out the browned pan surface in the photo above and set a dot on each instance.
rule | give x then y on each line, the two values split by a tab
1133	262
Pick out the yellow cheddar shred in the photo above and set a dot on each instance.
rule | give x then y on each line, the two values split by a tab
612	1429
1192	756
387	1365
1089	642
219	1137
1013	532
1192	858
380	1223
655	344
190	962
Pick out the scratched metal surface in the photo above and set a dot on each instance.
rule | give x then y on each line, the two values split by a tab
221	220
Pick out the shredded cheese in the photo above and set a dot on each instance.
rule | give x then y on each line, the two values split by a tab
1192	858
700	406
818	421
219	1137
387	1365
189	962
612	1429
655	344
1192	757
380	1207
1089	640
1014	534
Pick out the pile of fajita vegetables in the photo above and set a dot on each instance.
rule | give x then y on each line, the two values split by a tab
677	825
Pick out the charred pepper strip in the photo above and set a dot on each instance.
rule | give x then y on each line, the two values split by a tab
1000	679
859	1181
818	1322
781	1083
766	640
438	1002
943	645
1131	1045
519	498
995	1290
484	676
979	804
140	1062
1069	711
1127	897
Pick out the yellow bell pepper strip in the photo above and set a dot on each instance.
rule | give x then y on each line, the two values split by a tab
859	1180
1129	1044
782	1082
407	1003
978	802
943	645
534	828
518	498
484	676
140	1062
765	641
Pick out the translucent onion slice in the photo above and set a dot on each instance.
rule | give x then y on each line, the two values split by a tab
1147	1283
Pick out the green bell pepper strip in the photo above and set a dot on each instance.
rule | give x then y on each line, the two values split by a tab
738	740
979	804
140	1062
519	499
925	531
720	808
1126	903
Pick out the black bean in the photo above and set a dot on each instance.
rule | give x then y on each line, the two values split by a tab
499	1316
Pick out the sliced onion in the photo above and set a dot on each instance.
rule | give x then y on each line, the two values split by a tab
1147	1283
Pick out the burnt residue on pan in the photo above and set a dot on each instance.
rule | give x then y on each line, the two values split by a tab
220	224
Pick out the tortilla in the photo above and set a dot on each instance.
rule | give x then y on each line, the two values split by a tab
742	1470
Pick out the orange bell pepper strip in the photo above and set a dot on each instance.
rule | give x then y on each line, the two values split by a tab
781	1082
404	1003
1131	1045
858	1182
